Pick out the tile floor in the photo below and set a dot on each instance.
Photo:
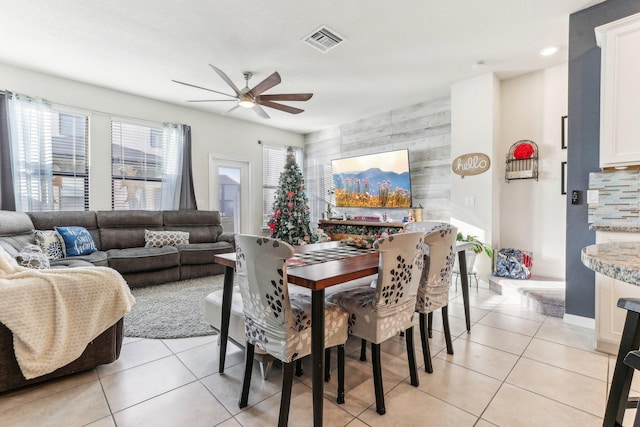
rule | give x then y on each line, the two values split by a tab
516	368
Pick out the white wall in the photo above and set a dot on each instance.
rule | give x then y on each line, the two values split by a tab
474	128
211	134
533	213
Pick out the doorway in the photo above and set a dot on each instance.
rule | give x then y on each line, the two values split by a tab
229	189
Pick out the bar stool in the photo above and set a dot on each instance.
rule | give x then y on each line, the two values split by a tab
632	359
623	373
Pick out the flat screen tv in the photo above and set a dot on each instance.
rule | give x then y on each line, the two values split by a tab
379	180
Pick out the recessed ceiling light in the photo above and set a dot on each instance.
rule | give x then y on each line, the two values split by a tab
548	51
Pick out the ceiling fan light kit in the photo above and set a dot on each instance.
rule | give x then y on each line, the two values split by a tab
253	98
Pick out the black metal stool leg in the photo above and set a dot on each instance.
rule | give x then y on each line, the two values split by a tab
623	374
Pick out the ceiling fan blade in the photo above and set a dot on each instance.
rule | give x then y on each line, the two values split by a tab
260	111
230	110
281	107
266	84
203	88
211	100
226	79
287	97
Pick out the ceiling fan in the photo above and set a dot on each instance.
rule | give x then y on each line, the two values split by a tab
253	98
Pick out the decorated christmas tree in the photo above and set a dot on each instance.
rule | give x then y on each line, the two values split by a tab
290	220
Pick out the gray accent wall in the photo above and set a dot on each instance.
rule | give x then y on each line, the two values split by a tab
425	129
583	146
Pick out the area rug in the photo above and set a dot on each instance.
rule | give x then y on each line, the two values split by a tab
171	310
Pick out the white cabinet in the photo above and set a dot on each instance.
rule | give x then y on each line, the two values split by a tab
620	92
609	317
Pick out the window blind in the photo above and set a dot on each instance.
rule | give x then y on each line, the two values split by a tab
136	169
274	157
70	154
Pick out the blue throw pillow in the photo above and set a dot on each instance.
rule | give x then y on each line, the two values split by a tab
77	240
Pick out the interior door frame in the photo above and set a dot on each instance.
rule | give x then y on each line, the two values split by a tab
246	209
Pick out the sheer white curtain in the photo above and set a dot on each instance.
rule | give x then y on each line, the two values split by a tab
172	152
31	155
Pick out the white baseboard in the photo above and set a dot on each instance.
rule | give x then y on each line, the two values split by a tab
584	322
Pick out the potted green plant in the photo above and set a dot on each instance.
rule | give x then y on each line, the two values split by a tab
471	254
478	246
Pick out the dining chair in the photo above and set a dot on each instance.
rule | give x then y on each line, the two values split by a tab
433	292
381	308
277	322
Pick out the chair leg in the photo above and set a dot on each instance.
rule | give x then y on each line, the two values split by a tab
285	401
299	371
327	365
377	378
411	357
363	350
430	323
426	353
248	368
340	398
447	331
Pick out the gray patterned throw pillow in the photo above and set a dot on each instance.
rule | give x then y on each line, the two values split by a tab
37	260
158	239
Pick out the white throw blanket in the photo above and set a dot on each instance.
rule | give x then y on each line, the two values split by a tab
54	314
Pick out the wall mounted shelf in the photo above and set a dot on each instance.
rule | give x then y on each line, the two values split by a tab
522	161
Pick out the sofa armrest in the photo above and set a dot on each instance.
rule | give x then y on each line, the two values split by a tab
228	237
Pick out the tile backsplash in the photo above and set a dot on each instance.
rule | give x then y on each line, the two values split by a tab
619	197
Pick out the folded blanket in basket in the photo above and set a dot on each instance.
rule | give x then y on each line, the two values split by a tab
54	314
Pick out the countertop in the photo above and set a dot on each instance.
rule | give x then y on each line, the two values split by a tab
630	227
620	260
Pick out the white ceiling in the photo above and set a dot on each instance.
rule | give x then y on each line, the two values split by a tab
396	53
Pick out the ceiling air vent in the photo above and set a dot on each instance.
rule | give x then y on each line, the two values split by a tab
323	39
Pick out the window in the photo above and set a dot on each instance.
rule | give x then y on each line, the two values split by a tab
274	158
49	152
146	164
70	166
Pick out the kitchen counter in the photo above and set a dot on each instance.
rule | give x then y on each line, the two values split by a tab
619	260
630	227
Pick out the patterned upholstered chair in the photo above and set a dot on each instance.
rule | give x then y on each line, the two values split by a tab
435	282
277	322
381	309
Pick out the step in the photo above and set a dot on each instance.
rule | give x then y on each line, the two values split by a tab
546	296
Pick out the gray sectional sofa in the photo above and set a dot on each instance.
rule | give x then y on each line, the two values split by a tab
120	239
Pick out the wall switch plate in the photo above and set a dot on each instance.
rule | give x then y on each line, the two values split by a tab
576	197
593	197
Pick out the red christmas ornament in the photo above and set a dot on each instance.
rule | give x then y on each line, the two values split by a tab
290	194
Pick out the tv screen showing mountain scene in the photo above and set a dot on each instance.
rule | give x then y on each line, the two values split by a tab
373	181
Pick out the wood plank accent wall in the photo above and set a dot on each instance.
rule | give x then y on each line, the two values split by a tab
425	129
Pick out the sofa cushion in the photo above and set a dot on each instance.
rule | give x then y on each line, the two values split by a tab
52	219
51	243
132	260
203	226
125	229
77	241
98	259
202	253
158	239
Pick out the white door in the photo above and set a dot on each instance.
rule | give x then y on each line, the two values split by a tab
229	188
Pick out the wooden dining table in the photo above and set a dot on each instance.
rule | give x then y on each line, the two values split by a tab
317	277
